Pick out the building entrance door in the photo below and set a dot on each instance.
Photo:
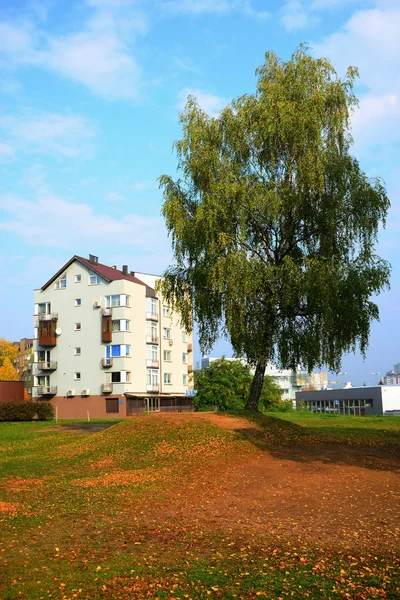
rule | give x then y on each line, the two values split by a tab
153	404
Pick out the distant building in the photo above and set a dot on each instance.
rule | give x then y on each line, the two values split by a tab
360	401
24	362
319	381
392	377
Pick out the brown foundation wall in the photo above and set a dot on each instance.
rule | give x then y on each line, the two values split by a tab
78	407
11	390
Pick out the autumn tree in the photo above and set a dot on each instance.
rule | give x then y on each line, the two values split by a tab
7	350
7	371
274	224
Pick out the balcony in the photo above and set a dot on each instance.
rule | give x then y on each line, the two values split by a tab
106	388
153	364
106	312
47	390
190	368
189	347
151	339
106	363
48	317
47	365
152	388
106	328
151	316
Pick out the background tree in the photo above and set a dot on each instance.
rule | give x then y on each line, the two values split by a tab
271	394
274	224
7	371
7	350
224	384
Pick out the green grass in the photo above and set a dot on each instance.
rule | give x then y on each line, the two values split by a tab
108	516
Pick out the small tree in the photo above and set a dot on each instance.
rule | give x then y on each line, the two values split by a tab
271	394
7	371
224	384
274	224
7	350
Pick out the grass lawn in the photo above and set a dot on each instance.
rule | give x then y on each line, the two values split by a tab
200	506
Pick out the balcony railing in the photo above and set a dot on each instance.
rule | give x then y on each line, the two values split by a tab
47	365
151	316
151	339
154	364
47	390
106	388
48	317
106	312
152	388
106	362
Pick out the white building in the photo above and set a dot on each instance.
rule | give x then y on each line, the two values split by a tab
360	401
106	344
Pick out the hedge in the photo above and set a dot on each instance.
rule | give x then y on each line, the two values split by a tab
26	411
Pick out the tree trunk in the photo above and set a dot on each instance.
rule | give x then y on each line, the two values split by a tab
256	386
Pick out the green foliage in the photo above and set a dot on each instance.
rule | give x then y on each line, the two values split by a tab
224	385
274	224
26	411
271	394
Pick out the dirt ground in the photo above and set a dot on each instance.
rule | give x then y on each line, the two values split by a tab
339	495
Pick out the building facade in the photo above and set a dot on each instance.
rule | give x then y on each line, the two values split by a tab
24	362
360	401
106	344
392	377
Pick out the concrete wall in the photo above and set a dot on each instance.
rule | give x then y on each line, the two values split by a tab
391	397
78	407
11	390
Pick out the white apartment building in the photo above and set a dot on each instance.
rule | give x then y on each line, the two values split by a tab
105	344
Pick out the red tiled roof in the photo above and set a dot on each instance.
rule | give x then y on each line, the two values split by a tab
109	273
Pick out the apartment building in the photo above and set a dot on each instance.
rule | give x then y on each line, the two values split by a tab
106	344
24	361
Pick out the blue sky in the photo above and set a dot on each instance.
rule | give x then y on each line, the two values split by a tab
90	92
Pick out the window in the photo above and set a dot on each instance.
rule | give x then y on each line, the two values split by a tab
120	325
167	333
78	301
77	327
94	279
152	352
43	309
77	376
118	350
117	300
167	355
62	282
116	377
184	358
184	336
43	380
152	305
184	379
168	378
77	351
121	377
167	312
152	377
112	405
78	278
152	330
43	356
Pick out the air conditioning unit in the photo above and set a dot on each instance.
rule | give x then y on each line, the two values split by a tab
86	392
96	305
70	393
171	342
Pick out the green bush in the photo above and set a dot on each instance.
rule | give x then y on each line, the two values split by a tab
282	406
26	411
44	410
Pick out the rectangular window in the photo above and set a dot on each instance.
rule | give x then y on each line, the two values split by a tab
43	356
152	377
152	305
168	378
118	350
120	325
77	376
43	380
152	352
167	355
78	301
117	300
77	351
184	358
167	312
116	377
167	333
184	379
184	336
152	329
44	308
78	278
94	279
78	327
112	405
62	282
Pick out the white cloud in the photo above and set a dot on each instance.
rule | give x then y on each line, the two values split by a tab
185	64
115	197
50	133
294	15
211	104
98	55
55	222
218	7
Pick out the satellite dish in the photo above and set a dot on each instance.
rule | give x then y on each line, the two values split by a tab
58	331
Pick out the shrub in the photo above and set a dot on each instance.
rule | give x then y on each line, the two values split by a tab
17	411
44	410
26	411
